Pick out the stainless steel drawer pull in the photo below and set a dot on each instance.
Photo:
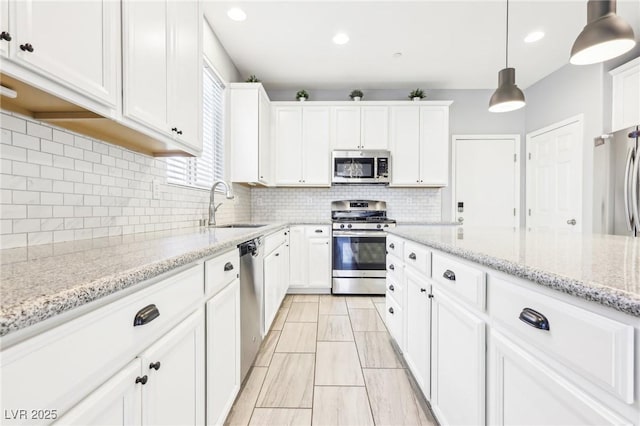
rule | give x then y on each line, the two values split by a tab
392	246
412	256
228	267
391	310
392	267
392	288
534	319
318	231
146	315
450	275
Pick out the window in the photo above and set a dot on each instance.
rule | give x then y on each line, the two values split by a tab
202	171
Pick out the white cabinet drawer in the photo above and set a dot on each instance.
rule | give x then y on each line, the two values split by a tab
395	245
273	241
418	257
393	320
464	281
596	347
65	364
395	289
395	268
317	231
220	271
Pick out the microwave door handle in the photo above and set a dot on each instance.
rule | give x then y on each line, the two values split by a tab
628	215
634	192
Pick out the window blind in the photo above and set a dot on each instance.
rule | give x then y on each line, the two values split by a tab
202	171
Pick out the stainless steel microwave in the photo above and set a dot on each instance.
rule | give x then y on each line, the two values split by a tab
361	167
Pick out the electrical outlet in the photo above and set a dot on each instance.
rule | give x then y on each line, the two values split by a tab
155	189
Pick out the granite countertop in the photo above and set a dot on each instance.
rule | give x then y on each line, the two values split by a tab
40	282
600	268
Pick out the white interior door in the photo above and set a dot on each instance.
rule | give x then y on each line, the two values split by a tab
486	176
554	176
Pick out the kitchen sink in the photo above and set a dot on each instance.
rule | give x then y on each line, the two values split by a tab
240	225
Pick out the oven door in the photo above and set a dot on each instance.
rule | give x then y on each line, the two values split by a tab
359	254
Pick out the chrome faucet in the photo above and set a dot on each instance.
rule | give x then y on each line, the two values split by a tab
212	207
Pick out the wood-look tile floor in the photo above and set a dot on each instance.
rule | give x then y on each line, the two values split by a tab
328	360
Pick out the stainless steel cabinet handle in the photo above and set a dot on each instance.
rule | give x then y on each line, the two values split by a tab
146	315
228	266
627	209
392	267
571	222
391	310
412	256
634	191
450	275
534	319
392	288
318	231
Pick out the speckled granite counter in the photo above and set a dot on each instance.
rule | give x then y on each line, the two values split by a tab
40	282
600	268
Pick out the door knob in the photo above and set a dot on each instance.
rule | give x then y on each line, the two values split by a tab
571	222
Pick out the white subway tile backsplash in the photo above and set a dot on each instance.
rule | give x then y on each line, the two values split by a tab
37	157
13	211
51	198
13	240
10	152
51	147
73	176
62	162
73	199
83	166
26	141
73	152
26	225
6	166
52	224
26	169
62	211
61	236
13	182
40	211
26	197
35	238
51	173
39	184
62	136
5	196
15	124
39	131
83	143
6	226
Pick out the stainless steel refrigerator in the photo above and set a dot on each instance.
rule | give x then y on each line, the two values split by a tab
617	183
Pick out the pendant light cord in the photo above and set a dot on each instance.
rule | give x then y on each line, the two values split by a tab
506	59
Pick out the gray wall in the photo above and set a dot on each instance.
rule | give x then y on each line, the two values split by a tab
468	116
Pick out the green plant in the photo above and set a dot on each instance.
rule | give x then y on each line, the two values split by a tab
418	93
252	79
357	93
302	94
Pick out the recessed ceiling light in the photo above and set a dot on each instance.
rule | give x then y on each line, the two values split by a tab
236	14
534	36
341	38
397	55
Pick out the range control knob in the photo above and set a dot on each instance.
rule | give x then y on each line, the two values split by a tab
342	226
349	226
379	226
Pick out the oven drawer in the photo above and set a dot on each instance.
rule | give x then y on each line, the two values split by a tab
417	257
395	245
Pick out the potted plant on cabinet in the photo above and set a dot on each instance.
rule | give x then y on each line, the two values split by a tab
252	79
356	94
416	95
302	95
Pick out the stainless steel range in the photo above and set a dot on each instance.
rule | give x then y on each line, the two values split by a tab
359	246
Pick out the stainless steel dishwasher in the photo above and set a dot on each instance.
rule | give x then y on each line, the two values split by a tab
251	301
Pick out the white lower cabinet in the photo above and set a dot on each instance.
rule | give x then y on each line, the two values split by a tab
458	362
118	402
223	352
523	390
162	386
417	351
310	257
276	268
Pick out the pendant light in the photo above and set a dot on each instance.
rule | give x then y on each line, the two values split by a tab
507	96
605	36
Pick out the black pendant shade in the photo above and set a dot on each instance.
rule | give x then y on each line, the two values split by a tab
605	36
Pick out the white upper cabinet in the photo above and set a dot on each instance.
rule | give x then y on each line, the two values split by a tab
162	69
302	145
4	28
420	145
75	44
626	86
250	131
356	127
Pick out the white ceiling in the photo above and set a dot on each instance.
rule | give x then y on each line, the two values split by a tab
444	44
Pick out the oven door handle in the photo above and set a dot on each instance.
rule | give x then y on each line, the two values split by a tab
359	234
